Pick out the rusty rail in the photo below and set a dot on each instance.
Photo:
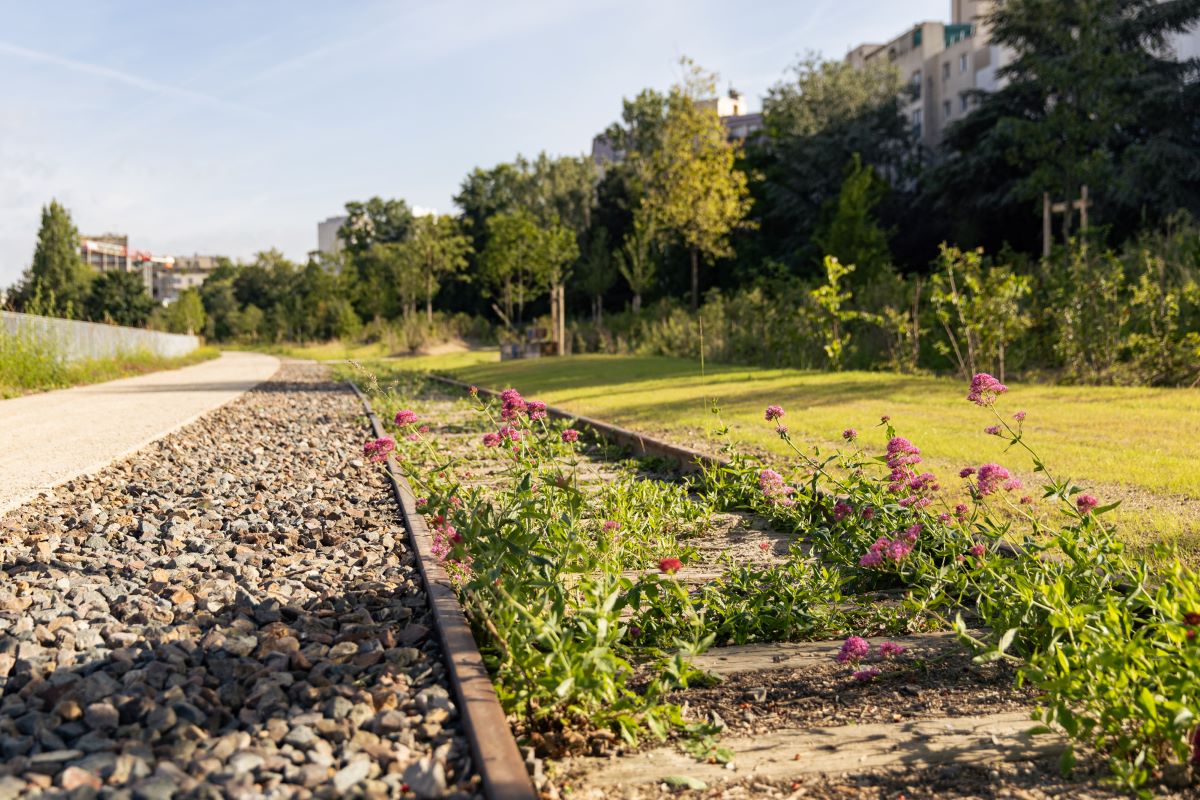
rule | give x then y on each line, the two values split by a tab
493	748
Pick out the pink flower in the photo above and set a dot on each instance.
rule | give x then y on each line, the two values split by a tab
992	430
473	391
1019	416
611	525
944	517
1085	503
913	532
977	550
1026	500
849	434
406	417
867	513
510	434
966	472
897	550
841	511
991	477
885	419
961	510
670	565
536	409
422	502
773	413
866	675
853	650
985	389
889	649
413	437
871	558
764	546
774	489
1013	484
491	440
570	435
378	449
781	429
423	429
511	404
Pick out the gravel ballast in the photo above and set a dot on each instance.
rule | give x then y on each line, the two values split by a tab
233	611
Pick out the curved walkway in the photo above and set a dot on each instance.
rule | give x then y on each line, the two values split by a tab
46	439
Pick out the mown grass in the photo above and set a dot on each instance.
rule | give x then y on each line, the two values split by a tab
1134	444
377	351
27	366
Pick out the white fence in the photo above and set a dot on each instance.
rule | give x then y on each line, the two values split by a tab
79	340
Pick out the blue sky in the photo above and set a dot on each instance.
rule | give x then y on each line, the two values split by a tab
231	127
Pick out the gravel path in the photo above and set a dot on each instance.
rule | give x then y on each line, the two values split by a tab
231	612
51	437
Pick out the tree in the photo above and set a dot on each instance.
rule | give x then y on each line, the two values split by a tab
598	272
375	221
695	192
436	249
118	298
850	231
185	315
57	277
1093	97
507	262
827	112
635	260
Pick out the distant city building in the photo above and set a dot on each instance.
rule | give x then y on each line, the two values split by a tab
941	63
187	272
328	240
164	277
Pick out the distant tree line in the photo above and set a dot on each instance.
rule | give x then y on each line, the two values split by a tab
861	245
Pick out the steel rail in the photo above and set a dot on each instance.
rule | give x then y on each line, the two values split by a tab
494	751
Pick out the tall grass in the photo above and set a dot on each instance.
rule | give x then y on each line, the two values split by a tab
28	364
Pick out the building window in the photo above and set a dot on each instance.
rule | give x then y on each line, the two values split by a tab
962	63
916	85
946	109
946	71
916	122
964	100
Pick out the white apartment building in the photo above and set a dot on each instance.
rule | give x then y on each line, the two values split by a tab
941	63
328	240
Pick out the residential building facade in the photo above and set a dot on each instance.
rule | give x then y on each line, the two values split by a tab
165	277
941	65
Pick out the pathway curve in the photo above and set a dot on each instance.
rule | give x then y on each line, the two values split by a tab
49	438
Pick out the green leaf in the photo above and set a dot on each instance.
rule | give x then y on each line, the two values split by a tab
684	782
1066	762
1007	639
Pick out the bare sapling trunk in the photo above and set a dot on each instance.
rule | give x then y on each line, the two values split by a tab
695	280
637	302
429	298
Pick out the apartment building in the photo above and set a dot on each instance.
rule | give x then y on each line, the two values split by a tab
940	63
328	240
185	272
110	252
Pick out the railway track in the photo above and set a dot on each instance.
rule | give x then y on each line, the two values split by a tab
792	720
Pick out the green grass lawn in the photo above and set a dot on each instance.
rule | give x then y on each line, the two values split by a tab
1136	444
25	370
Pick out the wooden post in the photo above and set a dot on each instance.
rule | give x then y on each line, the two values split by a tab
1045	225
1083	205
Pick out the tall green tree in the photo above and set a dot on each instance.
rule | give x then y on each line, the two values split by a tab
598	272
1093	96
185	315
118	298
436	249
57	280
635	260
850	231
375	221
695	192
823	114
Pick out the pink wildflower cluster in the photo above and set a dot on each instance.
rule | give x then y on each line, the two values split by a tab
849	434
445	536
985	389
841	511
891	649
1085	503
885	549
536	409
854	650
406	417
902	457
491	440
773	413
379	449
611	525
670	565
511	404
991	478
570	436
774	489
